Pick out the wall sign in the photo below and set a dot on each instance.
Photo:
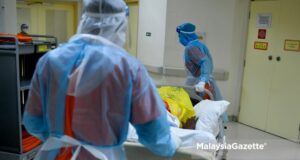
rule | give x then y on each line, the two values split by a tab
292	45
262	34
264	20
261	45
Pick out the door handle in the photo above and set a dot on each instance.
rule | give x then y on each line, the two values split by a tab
278	58
270	58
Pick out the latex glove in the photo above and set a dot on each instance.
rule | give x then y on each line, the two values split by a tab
200	86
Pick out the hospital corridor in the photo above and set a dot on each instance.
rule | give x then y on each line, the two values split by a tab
149	80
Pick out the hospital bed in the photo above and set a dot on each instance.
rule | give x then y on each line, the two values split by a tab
135	150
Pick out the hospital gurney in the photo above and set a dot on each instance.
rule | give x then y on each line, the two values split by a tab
135	150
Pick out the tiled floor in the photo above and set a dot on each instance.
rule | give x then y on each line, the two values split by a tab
275	148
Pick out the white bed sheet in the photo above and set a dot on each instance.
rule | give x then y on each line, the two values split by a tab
188	138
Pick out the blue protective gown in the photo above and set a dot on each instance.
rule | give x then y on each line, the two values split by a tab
199	63
110	89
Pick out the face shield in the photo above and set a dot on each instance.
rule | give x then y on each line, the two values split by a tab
186	33
105	18
128	44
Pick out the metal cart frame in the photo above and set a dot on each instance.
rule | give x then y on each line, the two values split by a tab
14	82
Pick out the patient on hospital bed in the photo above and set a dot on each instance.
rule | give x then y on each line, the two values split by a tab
205	122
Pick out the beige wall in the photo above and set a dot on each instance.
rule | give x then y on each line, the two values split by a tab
8	16
131	42
152	18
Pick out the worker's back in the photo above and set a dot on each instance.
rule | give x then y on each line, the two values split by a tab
98	81
100	78
91	89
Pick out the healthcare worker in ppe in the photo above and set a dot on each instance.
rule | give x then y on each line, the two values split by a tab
85	93
199	63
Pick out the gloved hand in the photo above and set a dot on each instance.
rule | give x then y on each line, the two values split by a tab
200	86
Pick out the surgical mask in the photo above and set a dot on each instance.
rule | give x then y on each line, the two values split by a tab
186	38
183	39
24	28
110	26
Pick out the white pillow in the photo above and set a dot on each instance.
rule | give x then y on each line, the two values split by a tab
208	113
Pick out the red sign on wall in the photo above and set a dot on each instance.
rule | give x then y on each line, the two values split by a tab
262	34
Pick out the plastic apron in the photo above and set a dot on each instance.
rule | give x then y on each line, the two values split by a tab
54	143
68	148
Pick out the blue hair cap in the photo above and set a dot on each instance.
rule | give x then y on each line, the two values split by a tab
186	27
